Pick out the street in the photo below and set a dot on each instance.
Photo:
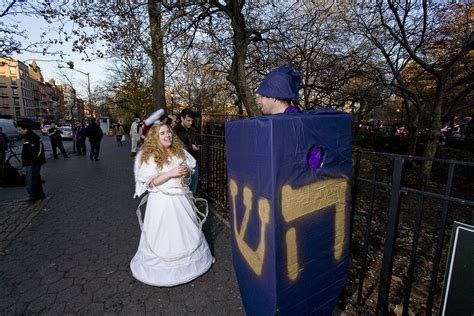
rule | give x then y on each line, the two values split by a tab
70	253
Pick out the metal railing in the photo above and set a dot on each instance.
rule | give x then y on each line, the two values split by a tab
409	208
396	217
213	169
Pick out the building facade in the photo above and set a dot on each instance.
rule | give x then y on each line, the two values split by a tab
10	88
25	94
55	102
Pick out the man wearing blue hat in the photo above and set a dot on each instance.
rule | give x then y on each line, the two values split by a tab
277	92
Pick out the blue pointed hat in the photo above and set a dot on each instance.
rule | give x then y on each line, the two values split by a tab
283	83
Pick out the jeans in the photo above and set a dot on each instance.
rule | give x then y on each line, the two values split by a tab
33	182
95	149
194	180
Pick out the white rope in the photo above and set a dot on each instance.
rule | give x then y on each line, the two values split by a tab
189	195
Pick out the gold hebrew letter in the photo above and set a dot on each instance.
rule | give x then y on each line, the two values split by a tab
309	199
255	258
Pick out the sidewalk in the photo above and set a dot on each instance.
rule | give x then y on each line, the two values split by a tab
72	252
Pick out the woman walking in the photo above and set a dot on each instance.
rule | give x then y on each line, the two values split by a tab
119	133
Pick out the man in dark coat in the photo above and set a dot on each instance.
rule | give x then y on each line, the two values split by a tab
187	134
94	133
56	141
32	156
81	139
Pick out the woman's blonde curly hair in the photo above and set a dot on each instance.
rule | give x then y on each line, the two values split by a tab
152	147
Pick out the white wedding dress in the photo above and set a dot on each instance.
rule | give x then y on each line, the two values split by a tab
172	250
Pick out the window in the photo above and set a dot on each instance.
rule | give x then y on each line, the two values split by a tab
16	101
12	70
15	91
14	81
3	91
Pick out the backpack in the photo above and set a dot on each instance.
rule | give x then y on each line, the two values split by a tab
10	177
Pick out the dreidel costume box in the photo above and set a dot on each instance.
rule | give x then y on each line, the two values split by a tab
290	223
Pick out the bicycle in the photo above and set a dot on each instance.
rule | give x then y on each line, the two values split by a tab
10	175
10	153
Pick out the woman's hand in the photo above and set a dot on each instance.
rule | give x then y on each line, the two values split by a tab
178	172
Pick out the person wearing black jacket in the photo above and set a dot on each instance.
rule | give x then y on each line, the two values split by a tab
187	135
3	145
56	141
94	133
32	156
81	139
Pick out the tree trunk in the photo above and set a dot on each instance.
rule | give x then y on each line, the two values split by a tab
237	76
413	127
436	122
157	54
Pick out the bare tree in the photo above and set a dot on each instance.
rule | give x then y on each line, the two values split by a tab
408	34
14	39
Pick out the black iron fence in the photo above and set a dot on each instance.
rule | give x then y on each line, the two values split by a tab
213	169
401	225
401	229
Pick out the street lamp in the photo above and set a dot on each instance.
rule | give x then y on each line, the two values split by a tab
71	66
172	102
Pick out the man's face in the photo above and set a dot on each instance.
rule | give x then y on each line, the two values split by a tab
265	105
187	121
21	131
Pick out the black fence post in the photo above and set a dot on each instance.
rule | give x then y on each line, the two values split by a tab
390	238
368	229
414	248
439	244
355	186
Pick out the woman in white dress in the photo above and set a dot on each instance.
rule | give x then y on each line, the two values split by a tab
172	249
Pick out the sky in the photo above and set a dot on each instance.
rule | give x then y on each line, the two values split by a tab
49	63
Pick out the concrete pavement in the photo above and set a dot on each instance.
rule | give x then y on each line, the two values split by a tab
72	252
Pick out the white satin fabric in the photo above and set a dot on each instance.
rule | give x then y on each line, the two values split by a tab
179	251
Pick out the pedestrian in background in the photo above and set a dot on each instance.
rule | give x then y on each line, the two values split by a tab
94	133
172	249
32	156
119	133
3	145
166	120
81	139
187	134
174	121
56	141
136	132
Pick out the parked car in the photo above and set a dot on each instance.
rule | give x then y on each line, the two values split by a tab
66	132
9	129
44	129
